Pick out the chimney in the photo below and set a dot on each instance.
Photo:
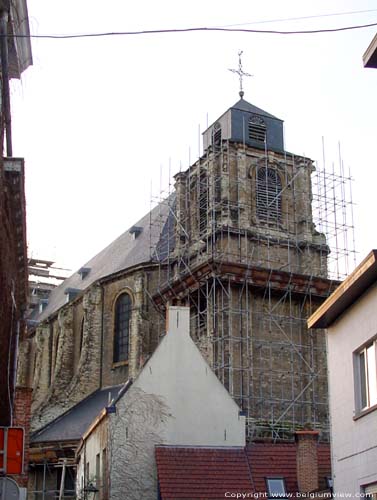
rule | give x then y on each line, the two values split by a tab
307	460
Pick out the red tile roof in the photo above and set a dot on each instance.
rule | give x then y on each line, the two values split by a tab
279	460
208	473
324	464
269	459
202	473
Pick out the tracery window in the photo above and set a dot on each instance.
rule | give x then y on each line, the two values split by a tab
122	327
268	187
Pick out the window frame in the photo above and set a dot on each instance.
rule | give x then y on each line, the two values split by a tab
118	358
364	380
271	495
370	490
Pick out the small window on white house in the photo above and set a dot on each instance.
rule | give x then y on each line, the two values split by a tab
366	376
276	488
370	491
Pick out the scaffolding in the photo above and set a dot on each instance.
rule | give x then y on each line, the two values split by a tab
254	241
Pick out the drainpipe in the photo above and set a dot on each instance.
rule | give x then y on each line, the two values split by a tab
102	335
5	79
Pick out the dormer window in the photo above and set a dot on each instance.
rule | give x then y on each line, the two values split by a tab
42	305
257	129
135	231
71	293
83	272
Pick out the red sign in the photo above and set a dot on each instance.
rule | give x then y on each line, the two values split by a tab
12	450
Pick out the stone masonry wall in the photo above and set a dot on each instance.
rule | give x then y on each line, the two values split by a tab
58	382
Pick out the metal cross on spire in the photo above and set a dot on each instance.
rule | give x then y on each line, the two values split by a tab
240	72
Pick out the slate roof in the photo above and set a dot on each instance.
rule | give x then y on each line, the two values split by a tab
123	253
72	425
243	105
207	473
201	473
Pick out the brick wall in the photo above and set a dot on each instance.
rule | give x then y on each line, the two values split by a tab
22	406
307	460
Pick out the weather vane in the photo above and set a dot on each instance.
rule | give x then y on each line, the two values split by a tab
240	72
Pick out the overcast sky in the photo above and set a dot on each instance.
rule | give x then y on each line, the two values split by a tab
99	120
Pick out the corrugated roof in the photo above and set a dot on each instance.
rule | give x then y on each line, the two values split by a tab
123	253
72	425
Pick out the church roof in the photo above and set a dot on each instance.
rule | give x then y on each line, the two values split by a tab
243	105
143	242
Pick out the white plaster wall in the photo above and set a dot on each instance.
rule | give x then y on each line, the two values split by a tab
354	443
135	430
203	412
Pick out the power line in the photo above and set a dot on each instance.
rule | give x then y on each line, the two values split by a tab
190	30
284	19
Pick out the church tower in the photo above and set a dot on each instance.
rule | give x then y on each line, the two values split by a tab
249	261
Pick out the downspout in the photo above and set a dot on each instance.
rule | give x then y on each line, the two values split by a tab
102	335
5	78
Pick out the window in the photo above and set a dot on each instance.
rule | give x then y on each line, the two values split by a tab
366	374
268	184
81	335
122	327
216	140
276	488
371	491
203	202
98	470
257	129
104	472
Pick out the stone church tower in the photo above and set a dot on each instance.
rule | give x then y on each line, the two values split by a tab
248	260
236	242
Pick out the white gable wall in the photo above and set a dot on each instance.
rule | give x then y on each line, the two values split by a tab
175	400
203	413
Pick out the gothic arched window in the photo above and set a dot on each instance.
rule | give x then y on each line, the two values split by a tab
122	327
268	185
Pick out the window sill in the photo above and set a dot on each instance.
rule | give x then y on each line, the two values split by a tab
119	363
362	413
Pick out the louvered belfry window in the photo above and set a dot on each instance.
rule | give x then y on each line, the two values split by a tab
122	327
257	129
268	194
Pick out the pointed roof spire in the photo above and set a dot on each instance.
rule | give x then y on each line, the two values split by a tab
240	72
